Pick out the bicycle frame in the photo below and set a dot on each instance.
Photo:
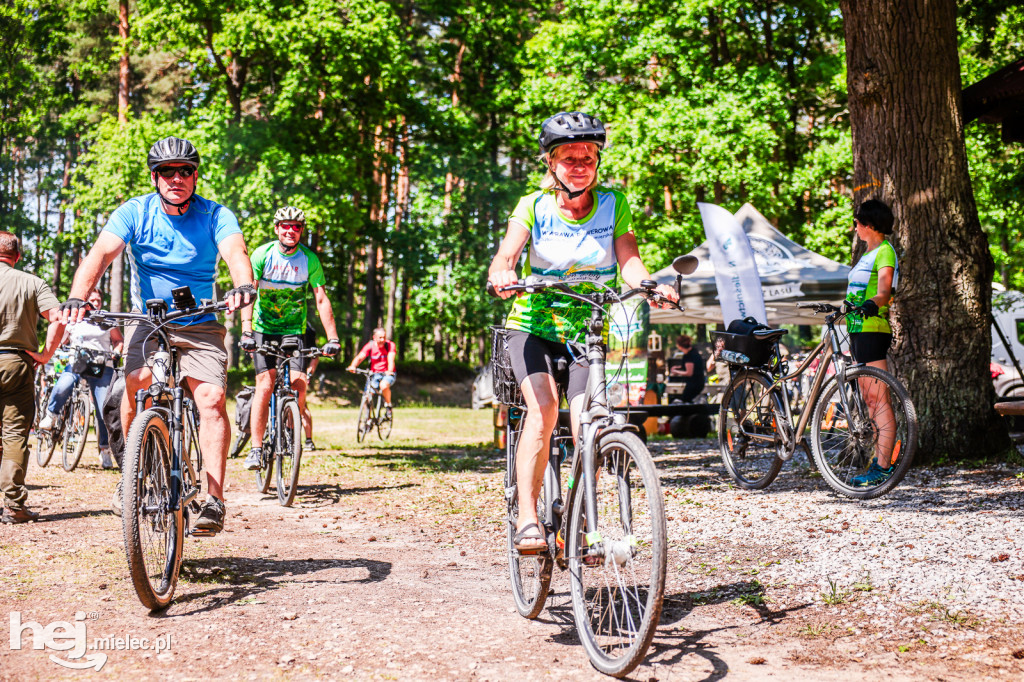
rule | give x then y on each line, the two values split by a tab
830	353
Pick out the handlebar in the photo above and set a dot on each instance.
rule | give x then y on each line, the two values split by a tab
155	314
274	350
532	285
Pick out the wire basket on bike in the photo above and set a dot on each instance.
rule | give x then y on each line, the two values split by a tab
506	388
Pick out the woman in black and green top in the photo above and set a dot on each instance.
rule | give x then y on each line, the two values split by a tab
872	282
576	231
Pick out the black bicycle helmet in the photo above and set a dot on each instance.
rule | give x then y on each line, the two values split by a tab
172	150
571	126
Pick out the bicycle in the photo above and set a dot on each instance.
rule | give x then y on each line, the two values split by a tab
372	410
756	434
616	546
70	428
45	380
282	441
162	458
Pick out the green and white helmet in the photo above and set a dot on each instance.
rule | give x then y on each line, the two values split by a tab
289	214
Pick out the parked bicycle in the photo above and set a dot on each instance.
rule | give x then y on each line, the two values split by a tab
282	441
855	412
615	547
45	380
162	458
373	412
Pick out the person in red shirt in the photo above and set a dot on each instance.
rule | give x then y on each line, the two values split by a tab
382	355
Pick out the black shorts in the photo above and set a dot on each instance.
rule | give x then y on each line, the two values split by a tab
870	346
264	363
533	355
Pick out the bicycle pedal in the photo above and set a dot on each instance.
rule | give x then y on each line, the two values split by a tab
201	533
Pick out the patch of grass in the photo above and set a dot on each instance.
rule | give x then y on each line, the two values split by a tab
753	595
956	618
814	630
836	594
864	583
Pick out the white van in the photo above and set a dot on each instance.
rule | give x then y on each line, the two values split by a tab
1008	312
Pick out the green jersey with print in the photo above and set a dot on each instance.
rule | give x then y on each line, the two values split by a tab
863	284
578	251
284	282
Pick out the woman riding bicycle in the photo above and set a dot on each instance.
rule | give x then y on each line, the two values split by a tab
872	282
577	231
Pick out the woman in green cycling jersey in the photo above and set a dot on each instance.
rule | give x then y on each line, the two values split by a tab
576	231
872	282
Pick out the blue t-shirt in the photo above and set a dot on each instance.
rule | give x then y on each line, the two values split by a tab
171	251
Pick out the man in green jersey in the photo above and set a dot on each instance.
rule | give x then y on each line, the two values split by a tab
285	270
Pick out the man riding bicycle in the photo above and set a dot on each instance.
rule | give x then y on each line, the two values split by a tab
382	354
286	270
173	237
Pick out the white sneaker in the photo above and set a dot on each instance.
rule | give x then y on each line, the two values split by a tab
106	461
46	423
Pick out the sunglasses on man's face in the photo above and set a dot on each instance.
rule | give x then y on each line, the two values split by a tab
290	226
168	173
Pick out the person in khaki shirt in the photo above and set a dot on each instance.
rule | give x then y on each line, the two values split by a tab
24	298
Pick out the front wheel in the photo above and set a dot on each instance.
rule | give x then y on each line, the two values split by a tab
385	419
748	436
45	445
76	432
288	454
153	532
363	426
871	419
265	474
617	571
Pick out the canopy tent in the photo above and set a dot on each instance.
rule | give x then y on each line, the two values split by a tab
790	275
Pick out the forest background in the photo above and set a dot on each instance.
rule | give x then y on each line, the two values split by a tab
407	130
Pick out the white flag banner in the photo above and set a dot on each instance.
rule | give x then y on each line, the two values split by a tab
739	286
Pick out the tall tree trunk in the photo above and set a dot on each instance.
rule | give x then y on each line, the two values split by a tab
401	206
123	89
350	292
903	77
403	316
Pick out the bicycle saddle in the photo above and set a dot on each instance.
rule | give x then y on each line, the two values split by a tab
769	334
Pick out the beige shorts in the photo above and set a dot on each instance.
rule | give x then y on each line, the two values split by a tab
201	351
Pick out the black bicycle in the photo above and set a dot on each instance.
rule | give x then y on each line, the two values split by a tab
615	547
70	425
162	458
373	413
282	440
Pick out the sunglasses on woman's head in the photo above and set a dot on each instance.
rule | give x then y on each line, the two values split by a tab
168	173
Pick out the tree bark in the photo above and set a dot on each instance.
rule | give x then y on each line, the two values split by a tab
124	72
903	77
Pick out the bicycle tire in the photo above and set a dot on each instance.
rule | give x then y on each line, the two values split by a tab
363	425
45	445
240	440
265	474
615	621
385	420
76	431
153	534
288	454
841	455
745	411
530	575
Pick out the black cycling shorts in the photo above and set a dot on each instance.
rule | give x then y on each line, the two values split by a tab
264	363
531	354
870	346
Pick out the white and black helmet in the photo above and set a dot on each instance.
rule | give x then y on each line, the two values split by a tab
289	214
568	127
172	150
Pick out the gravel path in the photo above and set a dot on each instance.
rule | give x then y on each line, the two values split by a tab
392	566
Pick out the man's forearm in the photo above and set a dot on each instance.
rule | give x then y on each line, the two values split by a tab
89	273
54	336
323	306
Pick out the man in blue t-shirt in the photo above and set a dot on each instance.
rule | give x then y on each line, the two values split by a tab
173	237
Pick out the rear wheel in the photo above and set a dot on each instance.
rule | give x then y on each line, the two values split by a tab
876	417
617	572
289	452
153	532
265	474
530	574
748	436
76	430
